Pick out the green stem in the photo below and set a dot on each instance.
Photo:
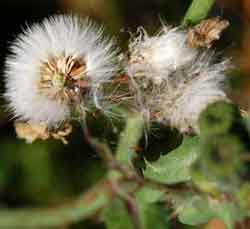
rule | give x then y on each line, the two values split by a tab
197	11
129	139
84	207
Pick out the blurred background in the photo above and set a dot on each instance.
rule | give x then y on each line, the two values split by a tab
50	173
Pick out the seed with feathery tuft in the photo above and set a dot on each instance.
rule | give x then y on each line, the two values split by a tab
61	78
58	67
172	82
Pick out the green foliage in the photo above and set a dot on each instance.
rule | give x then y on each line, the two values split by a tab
116	216
149	195
213	163
197	210
79	210
197	11
175	166
153	216
243	198
210	165
218	118
230	213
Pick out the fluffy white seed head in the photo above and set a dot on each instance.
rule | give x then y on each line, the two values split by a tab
191	91
172	82
53	64
156	57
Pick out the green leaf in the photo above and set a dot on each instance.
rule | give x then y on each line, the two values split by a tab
149	195
199	210
175	166
197	11
195	211
153	216
218	118
116	216
151	213
228	212
243	197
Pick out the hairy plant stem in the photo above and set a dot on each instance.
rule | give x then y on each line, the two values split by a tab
121	168
84	207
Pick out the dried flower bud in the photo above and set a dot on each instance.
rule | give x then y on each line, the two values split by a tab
32	132
206	33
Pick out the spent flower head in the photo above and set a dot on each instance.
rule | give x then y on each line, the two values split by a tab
191	91
58	66
172	82
156	57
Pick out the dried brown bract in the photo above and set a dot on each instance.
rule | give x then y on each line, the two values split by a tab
206	33
32	132
62	133
244	113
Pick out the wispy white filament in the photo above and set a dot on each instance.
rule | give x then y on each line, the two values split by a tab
156	57
174	83
191	91
55	37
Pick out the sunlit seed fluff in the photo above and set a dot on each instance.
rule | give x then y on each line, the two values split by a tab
155	57
172	82
54	64
191	91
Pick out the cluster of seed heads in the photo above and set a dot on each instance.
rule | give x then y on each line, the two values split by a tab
60	69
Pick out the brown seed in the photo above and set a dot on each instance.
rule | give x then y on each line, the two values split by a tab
72	71
31	132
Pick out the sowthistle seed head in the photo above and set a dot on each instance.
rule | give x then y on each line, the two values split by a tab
65	66
156	57
191	91
172	82
58	66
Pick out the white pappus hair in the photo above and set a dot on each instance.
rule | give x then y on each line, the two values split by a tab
58	48
172	82
157	56
191	91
